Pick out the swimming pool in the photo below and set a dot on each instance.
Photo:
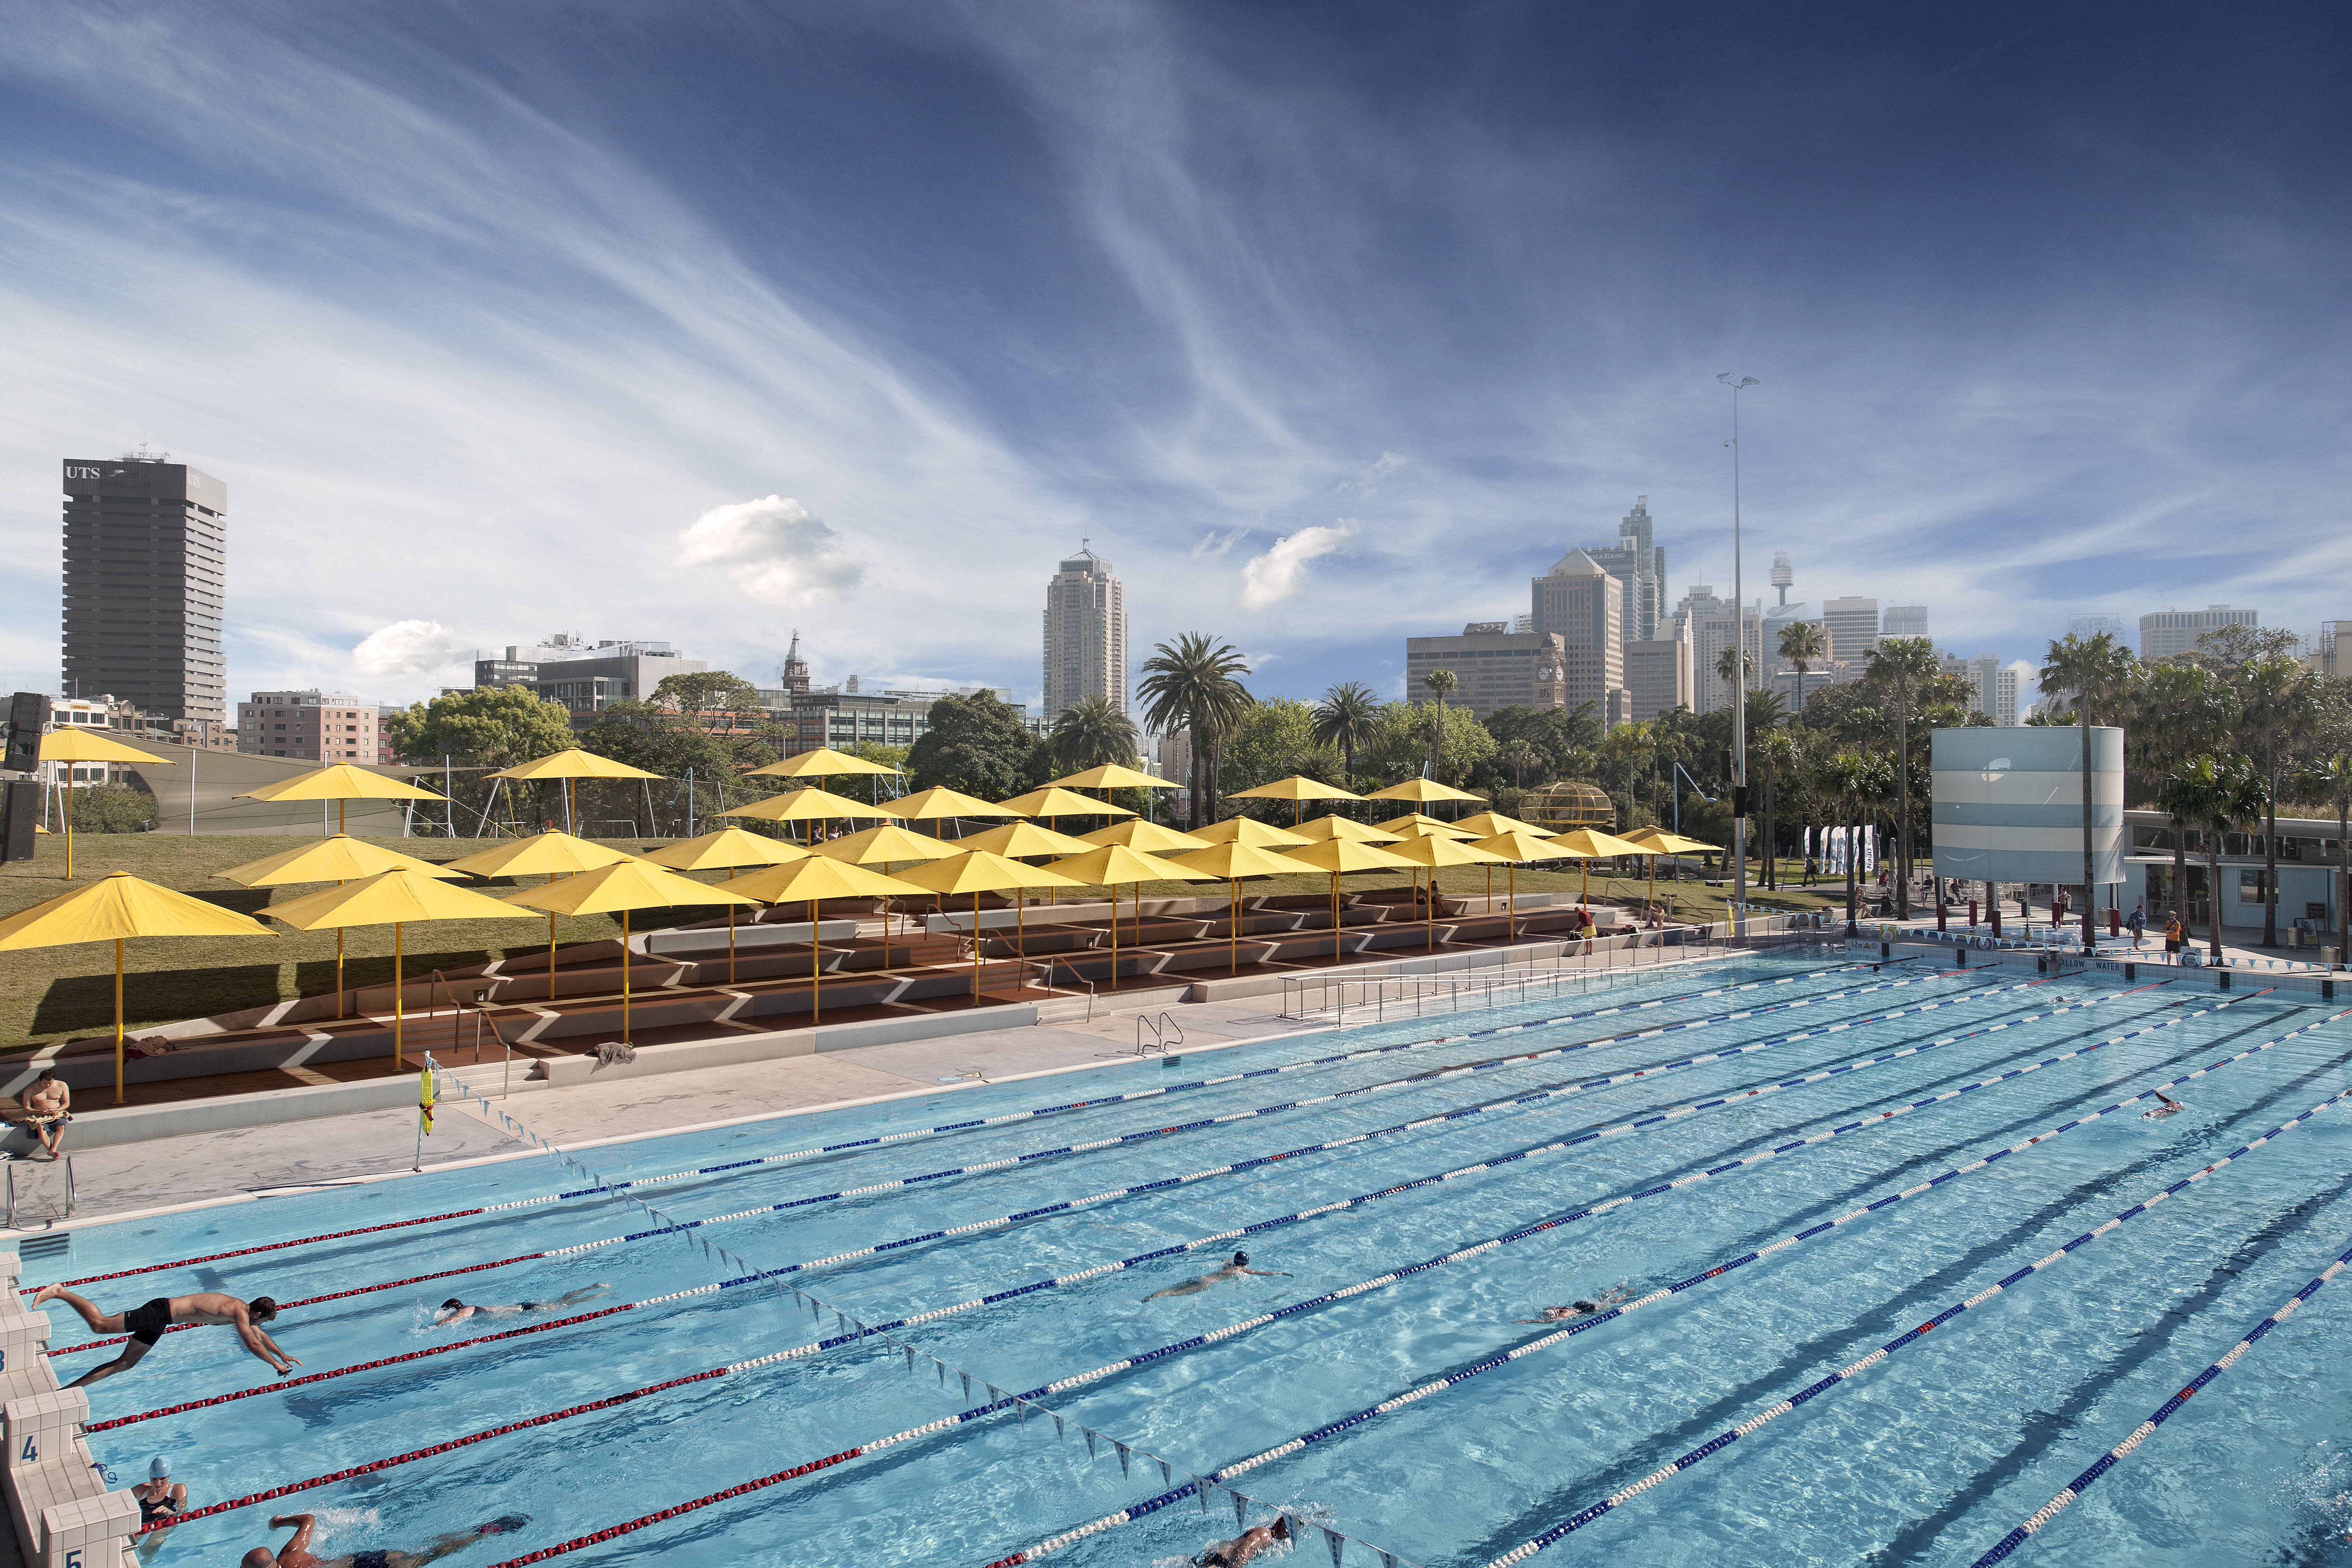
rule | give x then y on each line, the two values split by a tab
1711	1113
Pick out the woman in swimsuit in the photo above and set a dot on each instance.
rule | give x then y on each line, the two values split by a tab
161	1500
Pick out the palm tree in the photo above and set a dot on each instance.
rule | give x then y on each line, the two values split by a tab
2099	671
1518	756
1802	644
1903	661
2333	775
1194	681
1733	667
2214	794
1440	682
1091	732
1348	717
2277	705
1775	755
1847	775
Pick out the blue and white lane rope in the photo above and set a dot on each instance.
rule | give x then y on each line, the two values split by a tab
1415	1080
1587	1516
1902	1341
1308	1150
2158	1418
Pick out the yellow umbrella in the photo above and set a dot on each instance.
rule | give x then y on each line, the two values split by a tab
1297	789
1323	829
1148	836
396	898
1052	802
1249	830
977	871
1420	791
75	745
940	803
1110	775
1232	860
1486	824
626	886
822	763
568	764
728	847
340	782
1516	847
884	844
1114	864
1657	841
1432	850
554	853
1590	844
810	805
1413	825
342	858
115	907
1340	854
1015	839
815	877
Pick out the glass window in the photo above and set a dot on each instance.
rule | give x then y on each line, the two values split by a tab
2251	887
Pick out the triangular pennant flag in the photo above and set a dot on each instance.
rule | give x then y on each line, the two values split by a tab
1335	1541
1126	1456
1025	1412
943	1371
1201	1489
1388	1560
910	1356
995	1394
1059	1433
967	1386
1165	1476
1237	1509
1091	1451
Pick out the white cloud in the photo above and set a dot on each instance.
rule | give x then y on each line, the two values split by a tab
1369	481
1270	578
777	551
1213	545
404	648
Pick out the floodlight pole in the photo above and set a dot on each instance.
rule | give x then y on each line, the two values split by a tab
1739	686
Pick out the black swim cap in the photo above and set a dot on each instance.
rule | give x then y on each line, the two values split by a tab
1241	1259
1585	1306
452	1304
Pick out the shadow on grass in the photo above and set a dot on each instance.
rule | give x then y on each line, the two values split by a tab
85	1002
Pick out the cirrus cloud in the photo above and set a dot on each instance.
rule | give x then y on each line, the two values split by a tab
404	648
778	551
1270	578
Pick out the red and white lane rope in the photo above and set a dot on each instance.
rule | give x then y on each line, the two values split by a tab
2158	1416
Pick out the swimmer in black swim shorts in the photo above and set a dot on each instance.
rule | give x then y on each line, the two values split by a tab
147	1323
295	1553
453	1310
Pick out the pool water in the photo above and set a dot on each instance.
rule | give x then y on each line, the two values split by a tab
1929	1458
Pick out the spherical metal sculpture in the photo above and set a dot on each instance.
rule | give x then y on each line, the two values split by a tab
1567	805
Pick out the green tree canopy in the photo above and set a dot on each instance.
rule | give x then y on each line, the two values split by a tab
978	745
113	808
490	727
1092	733
1554	734
662	741
1276	738
701	692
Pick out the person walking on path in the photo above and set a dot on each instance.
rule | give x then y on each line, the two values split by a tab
2137	925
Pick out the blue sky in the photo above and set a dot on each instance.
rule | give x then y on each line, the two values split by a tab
708	321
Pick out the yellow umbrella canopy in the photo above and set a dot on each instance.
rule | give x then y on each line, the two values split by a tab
1488	823
112	909
342	858
1051	802
1249	830
1018	838
1658	841
723	850
1232	860
1297	787
885	842
1590	843
813	878
618	889
978	871
810	805
939	801
1518	847
550	854
1339	856
1421	791
1110	775
1116	865
1148	836
823	762
1435	850
74	746
1323	829
1413	825
570	763
344	781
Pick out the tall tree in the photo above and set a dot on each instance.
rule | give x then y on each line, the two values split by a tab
491	726
1091	734
2277	706
1777	757
2214	794
1349	717
1196	681
699	692
1848	776
2100	672
2333	776
1733	667
1904	662
1440	682
978	745
1802	644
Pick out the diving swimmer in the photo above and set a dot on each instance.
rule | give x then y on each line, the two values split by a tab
453	1310
1233	1270
1607	1298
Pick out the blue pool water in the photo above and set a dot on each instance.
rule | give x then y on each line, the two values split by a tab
1929	1458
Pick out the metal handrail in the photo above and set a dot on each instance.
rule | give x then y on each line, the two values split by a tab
481	1017
1046	964
1159	1034
1510	982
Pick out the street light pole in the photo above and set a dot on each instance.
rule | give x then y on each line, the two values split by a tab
1740	687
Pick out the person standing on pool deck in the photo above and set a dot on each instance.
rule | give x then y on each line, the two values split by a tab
453	1310
1233	1270
295	1553
146	1324
2173	935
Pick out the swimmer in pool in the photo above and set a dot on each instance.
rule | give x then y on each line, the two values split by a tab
147	1324
2170	1107
1244	1547
295	1553
453	1310
1607	1298
1233	1270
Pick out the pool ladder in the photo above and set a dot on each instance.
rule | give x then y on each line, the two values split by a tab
12	1193
1160	1029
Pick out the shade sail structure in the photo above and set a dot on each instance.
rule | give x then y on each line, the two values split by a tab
73	745
724	850
1658	841
1518	847
550	854
1110	775
1232	860
621	889
399	898
344	781
1297	787
1051	802
1016	838
1413	825
114	909
814	879
1420	791
810	805
1249	830
338	860
822	763
887	843
1486	824
569	763
1323	829
939	803
1148	836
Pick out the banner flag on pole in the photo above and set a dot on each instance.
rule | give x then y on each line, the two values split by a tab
424	1099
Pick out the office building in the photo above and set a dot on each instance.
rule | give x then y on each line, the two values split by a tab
1086	634
1709	630
146	557
1852	627
849	715
586	678
323	727
1657	676
1992	686
1495	667
1640	567
1584	605
1905	621
2166	634
2087	624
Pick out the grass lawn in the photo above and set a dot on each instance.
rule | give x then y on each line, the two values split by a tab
60	993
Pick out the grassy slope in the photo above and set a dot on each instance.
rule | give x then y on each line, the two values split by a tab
58	993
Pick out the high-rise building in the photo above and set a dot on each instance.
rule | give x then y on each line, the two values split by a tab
1905	621
1992	686
586	678
1086	634
1585	606
146	561
1705	621
1495	668
1657	676
2166	633
1853	626
1640	567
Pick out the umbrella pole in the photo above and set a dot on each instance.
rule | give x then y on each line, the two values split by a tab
1234	927
975	947
1511	901
731	933
816	976
399	998
551	958
68	799
118	1020
340	993
1335	920
625	977
1113	890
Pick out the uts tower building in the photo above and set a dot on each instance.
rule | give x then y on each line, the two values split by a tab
146	551
1085	635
